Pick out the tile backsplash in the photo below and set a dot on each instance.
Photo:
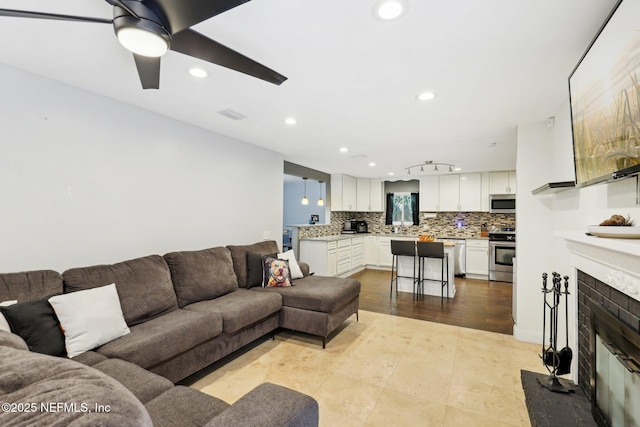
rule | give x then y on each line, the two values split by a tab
445	224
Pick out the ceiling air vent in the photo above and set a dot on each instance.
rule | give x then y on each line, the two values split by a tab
233	115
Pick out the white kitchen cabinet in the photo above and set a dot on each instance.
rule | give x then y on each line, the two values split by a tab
477	258
470	192
332	258
357	252
449	193
349	193
384	251
344	256
502	182
343	193
368	195
375	195
429	193
460	192
371	250
363	196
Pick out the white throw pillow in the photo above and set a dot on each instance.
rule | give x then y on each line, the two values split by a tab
294	268
89	318
4	325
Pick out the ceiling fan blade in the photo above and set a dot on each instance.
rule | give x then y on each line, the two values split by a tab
195	44
148	70
183	14
52	16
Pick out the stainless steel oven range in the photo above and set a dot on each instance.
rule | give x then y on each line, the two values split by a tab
502	250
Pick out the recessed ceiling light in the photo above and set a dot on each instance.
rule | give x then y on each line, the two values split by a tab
344	149
290	121
372	164
426	96
457	169
198	72
390	174
388	10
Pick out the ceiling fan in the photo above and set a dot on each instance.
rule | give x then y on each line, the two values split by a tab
149	28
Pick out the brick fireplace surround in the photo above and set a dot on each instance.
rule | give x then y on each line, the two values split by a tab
622	307
608	277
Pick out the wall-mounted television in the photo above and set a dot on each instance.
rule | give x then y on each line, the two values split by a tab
604	93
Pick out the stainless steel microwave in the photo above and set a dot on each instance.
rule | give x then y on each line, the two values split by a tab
502	203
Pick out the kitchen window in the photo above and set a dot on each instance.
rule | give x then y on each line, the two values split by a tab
402	209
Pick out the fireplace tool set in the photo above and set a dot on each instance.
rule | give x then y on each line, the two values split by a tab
557	361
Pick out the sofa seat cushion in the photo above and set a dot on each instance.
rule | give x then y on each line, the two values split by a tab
240	308
239	257
317	293
144	286
186	407
201	275
164	337
27	377
143	384
90	358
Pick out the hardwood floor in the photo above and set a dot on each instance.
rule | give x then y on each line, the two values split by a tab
478	304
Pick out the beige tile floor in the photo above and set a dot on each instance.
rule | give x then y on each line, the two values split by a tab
391	371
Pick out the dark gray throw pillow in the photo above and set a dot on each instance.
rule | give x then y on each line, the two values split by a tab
254	268
37	324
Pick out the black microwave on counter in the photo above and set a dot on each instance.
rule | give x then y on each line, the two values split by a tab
502	203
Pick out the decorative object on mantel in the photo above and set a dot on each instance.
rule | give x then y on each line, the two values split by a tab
617	227
429	163
557	362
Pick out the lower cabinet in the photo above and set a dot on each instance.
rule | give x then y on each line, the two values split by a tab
477	255
333	257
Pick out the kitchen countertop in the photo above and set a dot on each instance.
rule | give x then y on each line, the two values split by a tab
336	237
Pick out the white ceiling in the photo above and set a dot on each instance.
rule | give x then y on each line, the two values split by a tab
352	79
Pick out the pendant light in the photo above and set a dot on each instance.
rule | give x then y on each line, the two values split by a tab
320	200
305	201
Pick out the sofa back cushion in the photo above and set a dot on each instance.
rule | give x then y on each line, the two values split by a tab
239	257
30	285
201	275
144	286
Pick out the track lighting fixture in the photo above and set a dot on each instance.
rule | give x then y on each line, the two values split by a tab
429	163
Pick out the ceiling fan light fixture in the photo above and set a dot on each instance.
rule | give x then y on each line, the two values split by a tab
142	36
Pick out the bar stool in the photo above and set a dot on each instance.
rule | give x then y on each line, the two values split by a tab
402	248
434	250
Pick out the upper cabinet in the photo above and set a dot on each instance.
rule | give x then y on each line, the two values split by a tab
429	193
502	182
355	194
471	192
460	193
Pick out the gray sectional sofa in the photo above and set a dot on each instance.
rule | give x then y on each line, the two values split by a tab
185	310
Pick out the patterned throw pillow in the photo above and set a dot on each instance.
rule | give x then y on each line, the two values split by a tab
275	272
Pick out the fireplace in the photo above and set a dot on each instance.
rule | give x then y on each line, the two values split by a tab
609	351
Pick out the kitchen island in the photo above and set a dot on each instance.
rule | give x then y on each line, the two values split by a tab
346	254
431	270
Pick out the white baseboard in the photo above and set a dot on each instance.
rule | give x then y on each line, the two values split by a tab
527	336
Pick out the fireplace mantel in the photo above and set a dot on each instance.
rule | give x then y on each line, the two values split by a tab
615	262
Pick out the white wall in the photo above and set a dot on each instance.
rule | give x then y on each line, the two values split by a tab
533	224
85	179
